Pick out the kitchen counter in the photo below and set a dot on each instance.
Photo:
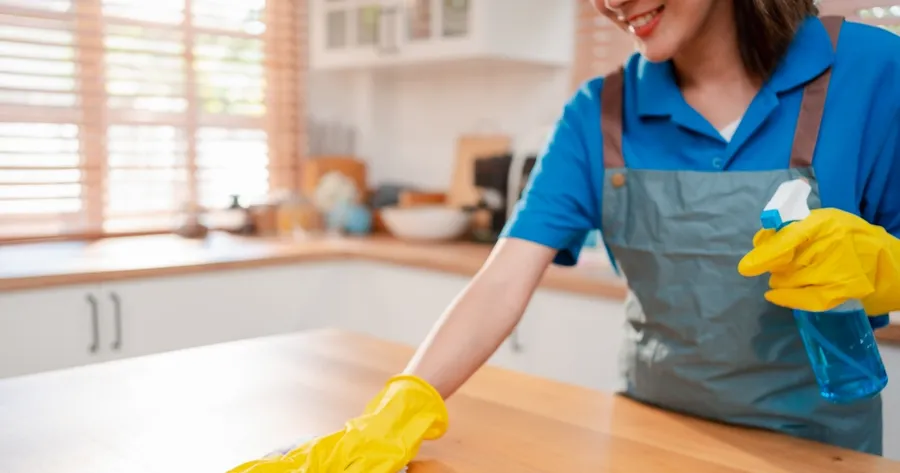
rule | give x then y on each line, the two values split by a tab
42	265
39	265
209	409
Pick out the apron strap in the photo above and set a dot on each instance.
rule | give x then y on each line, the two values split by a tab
611	119
611	111
806	135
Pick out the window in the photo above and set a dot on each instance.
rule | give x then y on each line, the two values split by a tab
117	114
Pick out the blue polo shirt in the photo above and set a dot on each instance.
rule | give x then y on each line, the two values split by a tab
857	160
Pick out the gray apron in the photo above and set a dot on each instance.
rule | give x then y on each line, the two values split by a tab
700	338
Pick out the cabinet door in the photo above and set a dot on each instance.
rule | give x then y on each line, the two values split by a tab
398	303
347	32
573	339
336	27
360	309
402	304
171	313
455	18
49	329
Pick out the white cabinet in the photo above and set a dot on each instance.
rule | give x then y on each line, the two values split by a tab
399	303
562	336
49	329
163	314
402	304
891	400
377	33
573	338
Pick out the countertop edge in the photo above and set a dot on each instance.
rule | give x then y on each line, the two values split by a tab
75	278
561	279
441	258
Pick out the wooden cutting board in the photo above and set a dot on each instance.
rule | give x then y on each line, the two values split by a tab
470	147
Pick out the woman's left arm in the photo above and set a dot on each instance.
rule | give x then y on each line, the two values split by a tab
832	255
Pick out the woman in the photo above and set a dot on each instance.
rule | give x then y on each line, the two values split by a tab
673	159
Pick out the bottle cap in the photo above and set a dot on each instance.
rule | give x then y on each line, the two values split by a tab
789	204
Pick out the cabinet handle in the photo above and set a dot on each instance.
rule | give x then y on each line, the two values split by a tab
117	315
514	340
95	323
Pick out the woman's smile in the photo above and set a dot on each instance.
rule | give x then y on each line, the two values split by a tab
643	24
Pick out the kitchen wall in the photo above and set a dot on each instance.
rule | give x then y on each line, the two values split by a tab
408	120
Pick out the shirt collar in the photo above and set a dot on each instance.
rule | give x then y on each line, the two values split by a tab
809	54
657	92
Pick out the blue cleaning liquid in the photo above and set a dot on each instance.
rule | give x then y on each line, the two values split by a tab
841	346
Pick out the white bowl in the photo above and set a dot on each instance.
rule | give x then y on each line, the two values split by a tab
426	222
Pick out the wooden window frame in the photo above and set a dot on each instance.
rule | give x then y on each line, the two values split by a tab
284	120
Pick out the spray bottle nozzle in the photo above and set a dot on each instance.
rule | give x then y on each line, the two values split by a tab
789	204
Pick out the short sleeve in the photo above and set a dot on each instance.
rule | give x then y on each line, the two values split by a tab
558	208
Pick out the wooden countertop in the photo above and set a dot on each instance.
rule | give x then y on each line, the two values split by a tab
40	265
209	409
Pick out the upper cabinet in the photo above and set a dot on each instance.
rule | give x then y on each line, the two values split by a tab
353	34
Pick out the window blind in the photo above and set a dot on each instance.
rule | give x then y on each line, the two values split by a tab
115	115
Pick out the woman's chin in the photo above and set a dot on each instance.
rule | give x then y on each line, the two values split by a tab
655	52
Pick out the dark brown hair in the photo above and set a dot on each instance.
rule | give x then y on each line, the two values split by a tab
765	29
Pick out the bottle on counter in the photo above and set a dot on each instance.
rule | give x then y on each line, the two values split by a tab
235	218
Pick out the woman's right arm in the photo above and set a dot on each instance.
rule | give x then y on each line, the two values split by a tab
482	316
551	221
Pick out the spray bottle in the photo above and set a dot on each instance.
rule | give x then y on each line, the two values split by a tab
840	342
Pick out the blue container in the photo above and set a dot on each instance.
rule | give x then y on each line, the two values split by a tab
358	220
351	218
841	346
840	343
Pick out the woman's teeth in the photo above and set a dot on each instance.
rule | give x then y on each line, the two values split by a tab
643	20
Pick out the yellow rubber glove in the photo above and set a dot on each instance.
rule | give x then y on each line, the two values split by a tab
383	440
826	259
